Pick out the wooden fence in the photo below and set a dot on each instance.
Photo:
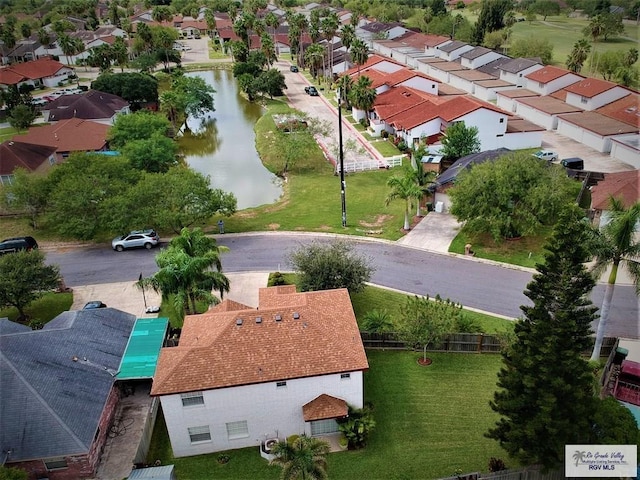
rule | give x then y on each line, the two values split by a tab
458	342
527	473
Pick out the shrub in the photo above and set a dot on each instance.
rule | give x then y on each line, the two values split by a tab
364	122
384	134
222	459
496	464
402	146
466	324
276	279
377	321
357	426
292	438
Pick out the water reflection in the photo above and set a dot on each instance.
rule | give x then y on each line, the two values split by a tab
221	144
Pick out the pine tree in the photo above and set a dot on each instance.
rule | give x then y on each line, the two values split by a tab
545	395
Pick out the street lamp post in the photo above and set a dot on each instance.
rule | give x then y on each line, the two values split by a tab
343	185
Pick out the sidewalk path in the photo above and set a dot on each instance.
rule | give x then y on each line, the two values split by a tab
435	232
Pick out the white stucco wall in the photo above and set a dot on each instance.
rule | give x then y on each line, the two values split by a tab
550	122
267	409
461	83
426	129
489	127
422	84
438	74
488	94
626	153
520	140
481	60
554	85
518	78
597	101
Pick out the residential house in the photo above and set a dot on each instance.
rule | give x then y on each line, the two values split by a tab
93	105
624	186
543	110
406	48
592	93
625	147
434	43
42	72
452	51
32	158
593	129
442	70
378	30
549	79
241	376
58	391
507	99
488	89
478	57
515	70
68	136
466	79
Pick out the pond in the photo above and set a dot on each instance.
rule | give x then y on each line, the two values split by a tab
222	145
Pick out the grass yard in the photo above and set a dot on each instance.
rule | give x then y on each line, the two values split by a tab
386	148
7	133
526	252
44	309
430	421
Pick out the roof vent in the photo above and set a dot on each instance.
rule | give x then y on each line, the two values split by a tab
258	319
278	318
296	315
238	321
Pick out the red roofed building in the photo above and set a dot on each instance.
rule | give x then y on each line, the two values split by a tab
44	71
242	376
593	93
68	136
550	79
32	158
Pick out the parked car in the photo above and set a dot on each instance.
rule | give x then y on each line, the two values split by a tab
311	90
293	68
16	244
94	304
547	155
573	163
136	239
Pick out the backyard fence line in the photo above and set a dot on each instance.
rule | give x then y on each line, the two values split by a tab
527	473
458	342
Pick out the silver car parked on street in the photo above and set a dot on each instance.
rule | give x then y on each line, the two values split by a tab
136	239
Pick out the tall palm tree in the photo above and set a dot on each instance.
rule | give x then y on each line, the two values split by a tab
359	53
345	84
423	179
578	55
363	95
330	26
404	188
314	58
189	269
617	245
302	459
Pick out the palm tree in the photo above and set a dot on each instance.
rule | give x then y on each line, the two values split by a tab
578	55
272	21
189	269
359	53
314	58
617	245
362	96
345	84
423	179
268	48
330	26
304	458
404	188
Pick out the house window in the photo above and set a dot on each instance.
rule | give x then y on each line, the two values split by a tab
191	399
323	427
584	99
345	376
55	463
52	160
6	179
199	434
237	430
281	384
502	120
540	85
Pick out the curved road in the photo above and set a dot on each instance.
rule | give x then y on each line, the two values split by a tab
481	285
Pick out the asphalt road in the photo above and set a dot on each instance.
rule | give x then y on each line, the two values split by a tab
484	286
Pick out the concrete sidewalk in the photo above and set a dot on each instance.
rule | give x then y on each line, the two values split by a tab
435	232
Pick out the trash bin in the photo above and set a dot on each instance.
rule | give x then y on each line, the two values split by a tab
429	206
439	207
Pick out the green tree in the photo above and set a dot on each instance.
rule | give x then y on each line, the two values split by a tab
425	322
140	125
189	269
404	187
613	424
120	53
460	141
491	18
329	266
377	321
154	154
596	28
362	95
302	459
512	196
616	245
359	53
607	63
28	195
24	277
268	48
357	427
271	83
8	473
612	25
136	88
532	47
197	95
578	55
545	8
545	396
22	117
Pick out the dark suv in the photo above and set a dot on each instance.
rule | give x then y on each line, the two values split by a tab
12	245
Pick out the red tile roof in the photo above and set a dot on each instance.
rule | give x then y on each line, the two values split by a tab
590	87
227	348
41	68
74	135
547	74
626	109
624	186
462	105
15	154
324	407
371	61
396	100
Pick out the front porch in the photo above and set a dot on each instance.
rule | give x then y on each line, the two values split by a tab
333	439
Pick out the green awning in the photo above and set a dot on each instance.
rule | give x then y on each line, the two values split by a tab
141	356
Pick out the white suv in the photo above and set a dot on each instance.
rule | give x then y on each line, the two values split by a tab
136	239
547	155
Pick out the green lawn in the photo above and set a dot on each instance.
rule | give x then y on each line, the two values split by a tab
44	309
7	133
386	148
430	422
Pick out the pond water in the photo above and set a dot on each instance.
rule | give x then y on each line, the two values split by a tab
221	144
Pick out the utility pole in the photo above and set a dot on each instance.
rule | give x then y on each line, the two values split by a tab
343	185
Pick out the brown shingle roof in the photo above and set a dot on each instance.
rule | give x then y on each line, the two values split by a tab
323	407
549	105
598	124
74	135
217	350
15	154
624	186
91	105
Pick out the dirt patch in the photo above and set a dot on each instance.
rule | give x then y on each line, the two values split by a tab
324	228
380	219
246	214
424	362
277	207
273	226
